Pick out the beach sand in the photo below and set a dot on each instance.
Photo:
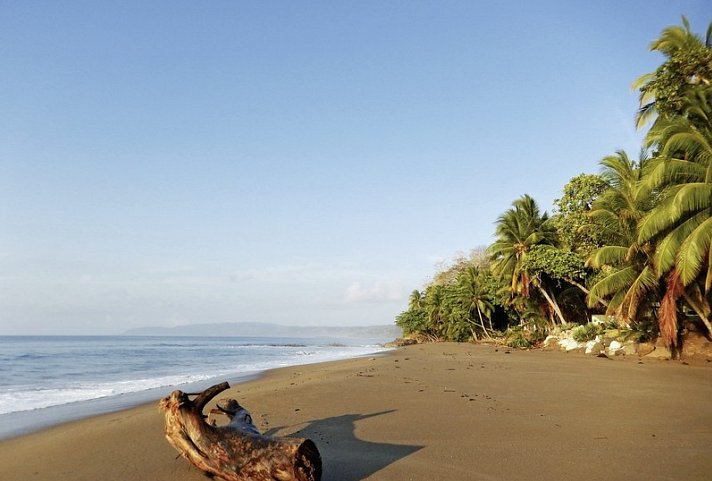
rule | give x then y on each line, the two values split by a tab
428	412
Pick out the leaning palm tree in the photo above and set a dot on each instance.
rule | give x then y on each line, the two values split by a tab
518	230
682	222
683	174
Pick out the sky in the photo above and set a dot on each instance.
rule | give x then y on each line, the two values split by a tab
301	163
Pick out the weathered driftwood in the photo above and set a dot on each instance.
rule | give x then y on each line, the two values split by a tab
237	451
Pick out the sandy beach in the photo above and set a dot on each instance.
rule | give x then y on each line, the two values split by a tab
428	412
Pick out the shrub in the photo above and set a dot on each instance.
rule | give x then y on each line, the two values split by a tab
521	337
586	332
517	339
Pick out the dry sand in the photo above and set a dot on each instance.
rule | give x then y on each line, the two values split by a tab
428	412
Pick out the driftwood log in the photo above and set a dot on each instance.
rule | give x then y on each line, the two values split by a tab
236	451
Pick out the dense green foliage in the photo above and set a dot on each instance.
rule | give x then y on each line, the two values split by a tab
634	241
460	308
576	231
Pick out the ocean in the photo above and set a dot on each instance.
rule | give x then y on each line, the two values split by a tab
47	380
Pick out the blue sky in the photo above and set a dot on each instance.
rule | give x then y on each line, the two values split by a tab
308	163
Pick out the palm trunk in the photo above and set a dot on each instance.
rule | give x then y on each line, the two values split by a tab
552	302
585	291
701	307
482	323
474	334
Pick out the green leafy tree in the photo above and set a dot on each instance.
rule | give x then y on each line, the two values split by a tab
415	320
557	263
458	325
565	272
457	305
575	230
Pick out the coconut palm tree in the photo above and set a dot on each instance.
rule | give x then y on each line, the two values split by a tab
434	303
678	96
519	229
687	63
415	301
470	292
629	276
681	224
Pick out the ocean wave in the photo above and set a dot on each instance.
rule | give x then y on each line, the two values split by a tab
31	398
36	383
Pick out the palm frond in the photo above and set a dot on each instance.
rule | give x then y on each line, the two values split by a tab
642	81
615	306
646	113
675	38
692	197
708	277
683	138
657	221
603	216
645	282
694	251
665	171
607	256
666	253
616	281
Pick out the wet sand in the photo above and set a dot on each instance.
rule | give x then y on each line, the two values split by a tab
428	412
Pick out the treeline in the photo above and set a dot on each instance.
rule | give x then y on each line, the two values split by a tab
632	242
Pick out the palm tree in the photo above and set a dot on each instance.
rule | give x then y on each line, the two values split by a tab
470	291
682	222
687	63
519	229
435	307
415	301
630	277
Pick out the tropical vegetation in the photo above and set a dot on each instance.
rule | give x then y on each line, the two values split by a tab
633	242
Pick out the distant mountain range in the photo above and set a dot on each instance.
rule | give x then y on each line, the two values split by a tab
261	329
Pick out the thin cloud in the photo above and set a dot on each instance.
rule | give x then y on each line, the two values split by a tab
378	292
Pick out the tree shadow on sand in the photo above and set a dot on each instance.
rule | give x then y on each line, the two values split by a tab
346	457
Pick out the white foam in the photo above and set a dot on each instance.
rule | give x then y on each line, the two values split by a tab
27	398
19	399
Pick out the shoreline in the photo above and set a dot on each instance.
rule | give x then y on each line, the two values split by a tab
423	412
242	369
20	423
